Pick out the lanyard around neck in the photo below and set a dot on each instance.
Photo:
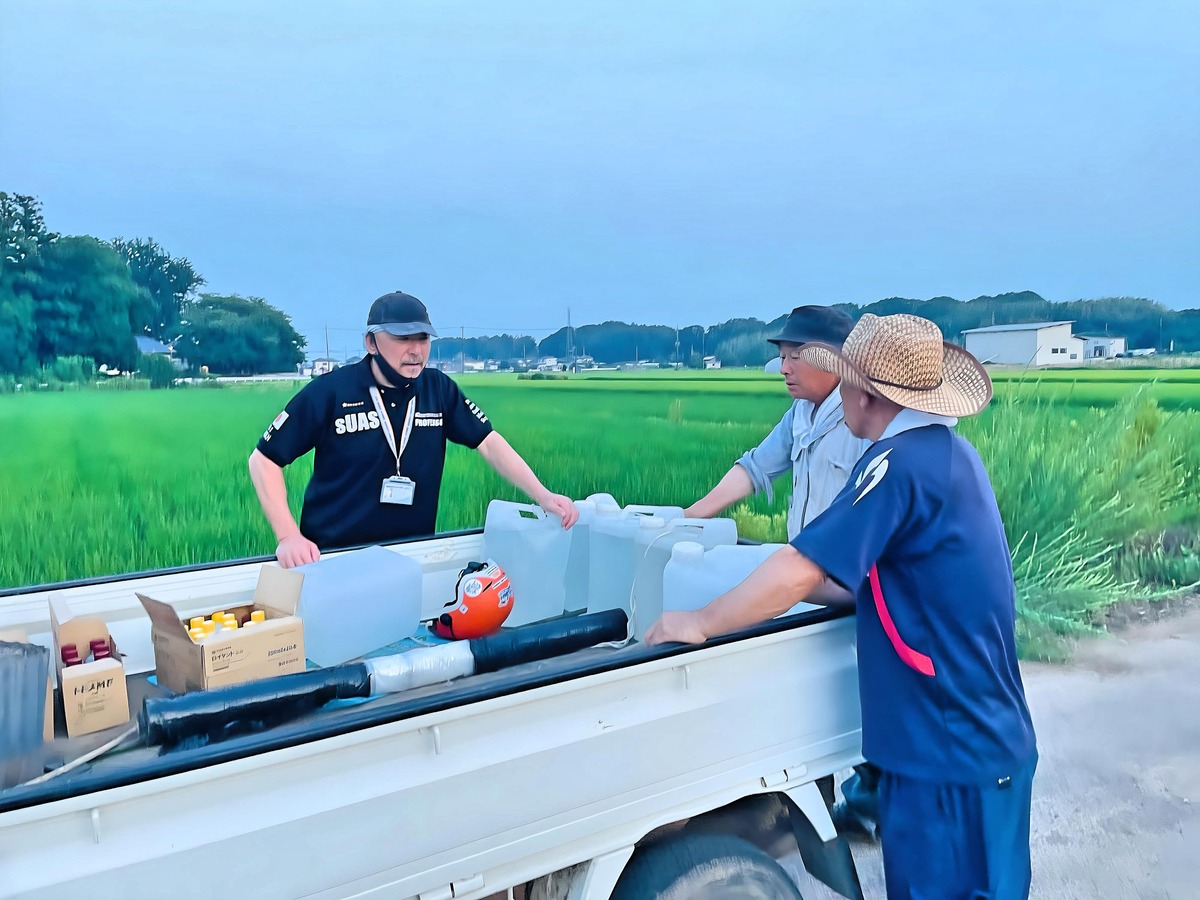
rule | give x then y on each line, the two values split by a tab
386	424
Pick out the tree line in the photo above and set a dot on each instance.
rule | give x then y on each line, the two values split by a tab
743	341
66	297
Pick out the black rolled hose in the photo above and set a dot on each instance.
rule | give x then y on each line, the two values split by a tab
543	640
210	716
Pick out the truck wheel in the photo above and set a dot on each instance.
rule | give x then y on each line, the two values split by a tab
704	867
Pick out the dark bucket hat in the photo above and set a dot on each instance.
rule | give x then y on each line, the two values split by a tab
814	323
399	314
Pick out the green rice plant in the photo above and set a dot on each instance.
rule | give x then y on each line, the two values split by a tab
1072	490
105	483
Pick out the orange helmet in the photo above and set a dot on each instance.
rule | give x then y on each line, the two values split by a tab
483	598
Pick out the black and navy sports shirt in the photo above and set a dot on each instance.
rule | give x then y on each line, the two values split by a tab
334	416
917	536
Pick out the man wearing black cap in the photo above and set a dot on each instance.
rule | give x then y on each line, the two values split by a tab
812	438
379	429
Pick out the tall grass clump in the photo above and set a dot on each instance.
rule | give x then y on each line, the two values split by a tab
1077	490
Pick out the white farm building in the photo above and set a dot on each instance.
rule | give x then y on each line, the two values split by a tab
1027	344
1104	346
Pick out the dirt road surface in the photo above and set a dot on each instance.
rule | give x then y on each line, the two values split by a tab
1116	800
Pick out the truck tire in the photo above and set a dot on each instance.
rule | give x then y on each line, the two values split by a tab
704	867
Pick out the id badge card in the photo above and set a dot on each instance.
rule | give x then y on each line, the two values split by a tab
398	490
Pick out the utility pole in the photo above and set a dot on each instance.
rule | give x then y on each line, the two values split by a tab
327	342
570	341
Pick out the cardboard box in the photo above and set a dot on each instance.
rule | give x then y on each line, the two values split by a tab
273	647
94	696
18	635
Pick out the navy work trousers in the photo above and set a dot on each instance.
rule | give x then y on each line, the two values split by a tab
956	842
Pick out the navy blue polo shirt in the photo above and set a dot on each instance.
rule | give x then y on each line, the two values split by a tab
942	698
335	416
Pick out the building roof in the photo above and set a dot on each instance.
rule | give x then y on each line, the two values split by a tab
147	344
1023	326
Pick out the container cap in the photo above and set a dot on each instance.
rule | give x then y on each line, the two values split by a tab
653	522
688	550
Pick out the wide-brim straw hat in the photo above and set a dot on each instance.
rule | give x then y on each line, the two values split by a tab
904	359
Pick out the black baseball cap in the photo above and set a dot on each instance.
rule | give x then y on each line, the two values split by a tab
399	314
814	323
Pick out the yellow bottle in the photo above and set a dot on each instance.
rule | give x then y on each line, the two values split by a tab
197	634
258	616
210	626
196	622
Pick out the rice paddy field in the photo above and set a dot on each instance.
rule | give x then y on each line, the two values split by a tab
1097	472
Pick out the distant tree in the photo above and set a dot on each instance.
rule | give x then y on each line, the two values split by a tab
83	302
744	350
236	335
23	234
500	346
169	284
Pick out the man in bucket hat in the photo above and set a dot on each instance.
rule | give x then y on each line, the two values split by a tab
379	429
811	439
915	538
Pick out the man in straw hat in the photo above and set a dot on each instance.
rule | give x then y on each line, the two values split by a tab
916	539
811	439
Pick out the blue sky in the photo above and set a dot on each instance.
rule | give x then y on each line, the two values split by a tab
653	162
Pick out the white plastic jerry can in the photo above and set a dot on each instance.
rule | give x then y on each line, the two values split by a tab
531	547
576	579
652	548
694	577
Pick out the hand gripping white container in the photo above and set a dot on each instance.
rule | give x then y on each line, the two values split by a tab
531	547
652	549
575	581
694	577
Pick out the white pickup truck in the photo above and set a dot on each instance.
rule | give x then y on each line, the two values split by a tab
636	772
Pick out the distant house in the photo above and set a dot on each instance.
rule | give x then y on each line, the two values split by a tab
152	347
711	362
323	364
1102	346
472	365
1026	344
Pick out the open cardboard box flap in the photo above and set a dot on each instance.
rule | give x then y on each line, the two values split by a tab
275	647
278	590
77	630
